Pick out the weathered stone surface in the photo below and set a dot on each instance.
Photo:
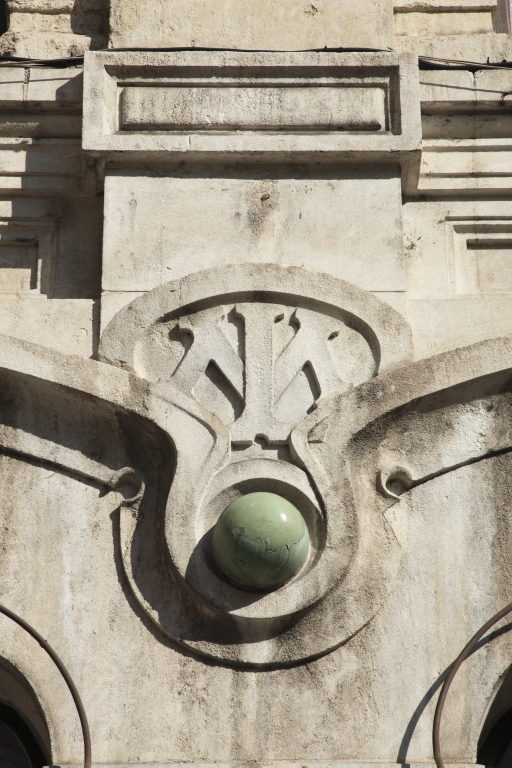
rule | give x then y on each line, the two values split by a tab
49	29
257	108
424	19
471	30
346	666
474	48
300	285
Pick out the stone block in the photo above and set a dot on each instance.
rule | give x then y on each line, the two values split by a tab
461	90
28	256
282	25
12	81
469	30
436	325
112	302
476	48
68	240
54	28
458	104
441	245
41	102
50	254
446	88
421	19
160	228
56	89
480	256
459	260
18	267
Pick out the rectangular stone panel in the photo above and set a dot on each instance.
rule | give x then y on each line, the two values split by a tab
458	249
273	106
491	262
481	256
431	22
27	256
254	108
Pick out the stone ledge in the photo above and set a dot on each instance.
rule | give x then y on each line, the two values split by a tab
490	46
268	764
57	6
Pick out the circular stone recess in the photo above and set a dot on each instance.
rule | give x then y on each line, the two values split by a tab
260	541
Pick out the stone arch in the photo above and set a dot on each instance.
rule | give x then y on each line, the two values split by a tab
48	706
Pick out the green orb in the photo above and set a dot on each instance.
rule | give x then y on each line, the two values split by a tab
260	541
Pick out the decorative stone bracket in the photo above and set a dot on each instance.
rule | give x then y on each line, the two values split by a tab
263	107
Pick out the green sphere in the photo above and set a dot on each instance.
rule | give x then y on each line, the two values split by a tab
260	541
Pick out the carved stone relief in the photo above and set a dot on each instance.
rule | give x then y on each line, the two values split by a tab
259	361
346	465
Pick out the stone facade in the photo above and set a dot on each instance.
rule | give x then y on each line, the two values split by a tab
255	246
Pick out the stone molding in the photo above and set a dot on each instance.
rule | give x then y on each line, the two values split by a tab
215	308
348	502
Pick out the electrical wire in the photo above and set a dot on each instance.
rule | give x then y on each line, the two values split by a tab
73	61
65	674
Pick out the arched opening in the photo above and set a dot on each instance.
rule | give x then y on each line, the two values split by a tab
18	746
495	745
24	736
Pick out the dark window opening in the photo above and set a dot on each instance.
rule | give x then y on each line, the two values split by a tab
495	745
4	18
24	736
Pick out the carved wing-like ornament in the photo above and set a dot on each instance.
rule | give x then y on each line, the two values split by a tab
257	377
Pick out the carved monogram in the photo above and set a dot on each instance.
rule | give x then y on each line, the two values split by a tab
260	367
